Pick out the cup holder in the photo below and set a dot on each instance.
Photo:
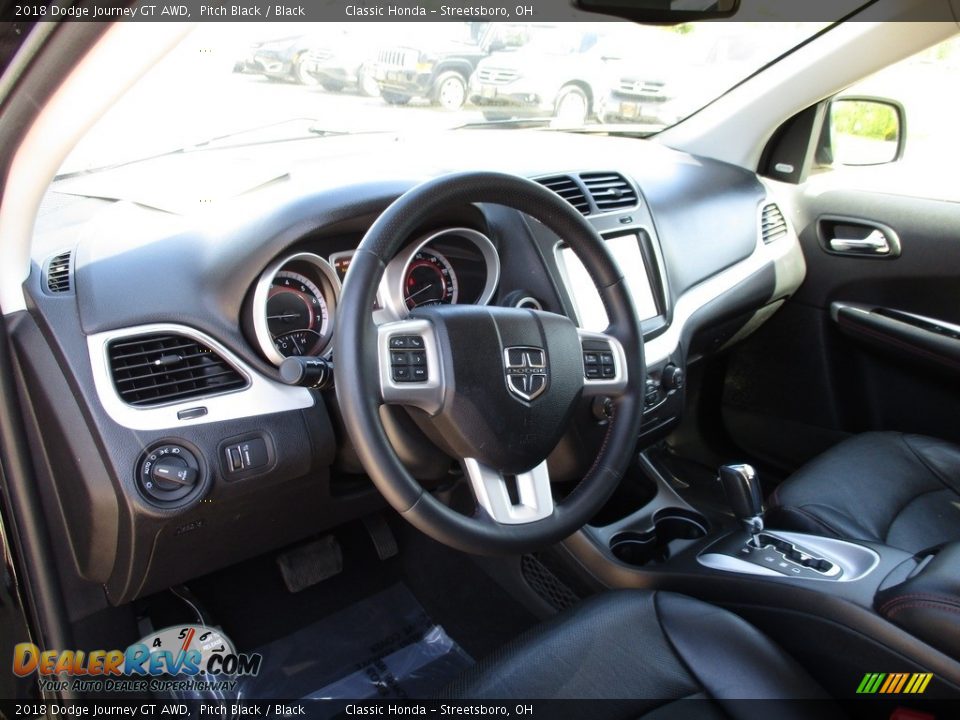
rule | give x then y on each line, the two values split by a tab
673	529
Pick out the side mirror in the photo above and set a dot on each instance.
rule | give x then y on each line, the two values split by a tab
866	130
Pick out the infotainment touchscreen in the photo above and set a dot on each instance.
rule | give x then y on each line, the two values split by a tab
626	251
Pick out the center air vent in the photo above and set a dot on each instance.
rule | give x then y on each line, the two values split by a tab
58	273
164	368
569	189
773	225
610	191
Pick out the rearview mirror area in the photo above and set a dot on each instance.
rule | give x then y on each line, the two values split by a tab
662	11
866	130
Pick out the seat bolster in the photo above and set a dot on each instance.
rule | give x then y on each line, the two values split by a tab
738	662
943	458
858	489
928	604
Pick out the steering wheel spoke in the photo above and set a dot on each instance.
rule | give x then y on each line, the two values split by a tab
604	364
410	369
532	501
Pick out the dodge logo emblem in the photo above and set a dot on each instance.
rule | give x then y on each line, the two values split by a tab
527	372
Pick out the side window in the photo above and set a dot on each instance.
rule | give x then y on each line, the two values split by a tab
863	142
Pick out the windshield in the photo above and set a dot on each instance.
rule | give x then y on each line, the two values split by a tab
236	83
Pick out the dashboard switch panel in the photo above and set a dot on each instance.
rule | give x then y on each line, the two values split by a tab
249	454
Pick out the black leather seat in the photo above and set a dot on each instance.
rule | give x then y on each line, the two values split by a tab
891	488
647	649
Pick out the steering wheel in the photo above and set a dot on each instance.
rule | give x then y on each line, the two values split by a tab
499	385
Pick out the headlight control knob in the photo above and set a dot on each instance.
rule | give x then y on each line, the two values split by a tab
168	473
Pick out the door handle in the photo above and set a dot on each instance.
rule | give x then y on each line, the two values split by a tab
875	243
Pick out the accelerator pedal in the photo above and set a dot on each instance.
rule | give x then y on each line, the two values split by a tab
310	563
382	536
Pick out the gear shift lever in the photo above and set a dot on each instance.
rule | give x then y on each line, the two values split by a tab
742	488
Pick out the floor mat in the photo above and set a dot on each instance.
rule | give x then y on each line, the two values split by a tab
384	646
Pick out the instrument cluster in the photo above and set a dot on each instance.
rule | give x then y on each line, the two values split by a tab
294	302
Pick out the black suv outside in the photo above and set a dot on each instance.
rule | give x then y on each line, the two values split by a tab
438	66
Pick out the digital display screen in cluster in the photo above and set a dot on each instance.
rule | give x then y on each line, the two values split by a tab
341	263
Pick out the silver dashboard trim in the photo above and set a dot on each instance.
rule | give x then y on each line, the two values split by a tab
391	284
262	394
262	290
660	348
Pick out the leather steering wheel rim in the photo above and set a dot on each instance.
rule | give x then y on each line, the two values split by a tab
357	359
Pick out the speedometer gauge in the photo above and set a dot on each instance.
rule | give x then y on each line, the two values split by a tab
297	314
429	280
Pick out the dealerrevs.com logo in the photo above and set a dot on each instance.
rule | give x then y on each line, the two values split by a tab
178	658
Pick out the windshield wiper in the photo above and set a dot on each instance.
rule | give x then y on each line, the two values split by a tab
312	130
528	122
547	123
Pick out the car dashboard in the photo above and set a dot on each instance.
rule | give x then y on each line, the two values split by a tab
167	443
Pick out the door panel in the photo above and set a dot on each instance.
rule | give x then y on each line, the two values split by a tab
867	343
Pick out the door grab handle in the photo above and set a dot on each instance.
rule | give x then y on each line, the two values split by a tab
873	244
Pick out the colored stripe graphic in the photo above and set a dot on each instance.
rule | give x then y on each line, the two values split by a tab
903	681
894	683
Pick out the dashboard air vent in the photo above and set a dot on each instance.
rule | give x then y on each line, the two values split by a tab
162	368
569	189
59	278
773	226
610	191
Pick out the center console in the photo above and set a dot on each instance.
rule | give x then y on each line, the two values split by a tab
880	606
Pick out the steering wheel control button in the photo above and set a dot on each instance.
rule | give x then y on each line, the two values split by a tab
408	365
168	473
406	341
598	362
604	364
607	369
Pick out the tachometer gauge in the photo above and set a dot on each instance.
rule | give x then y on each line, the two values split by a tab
293	307
429	280
297	315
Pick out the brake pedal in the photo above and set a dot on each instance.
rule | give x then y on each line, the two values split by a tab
383	538
310	563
